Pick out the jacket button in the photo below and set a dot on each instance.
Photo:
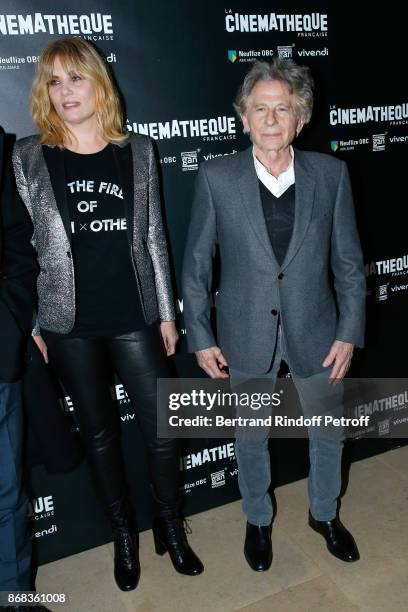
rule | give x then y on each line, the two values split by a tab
69	254
280	275
274	312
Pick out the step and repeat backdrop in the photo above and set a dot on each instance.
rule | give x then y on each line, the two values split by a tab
178	65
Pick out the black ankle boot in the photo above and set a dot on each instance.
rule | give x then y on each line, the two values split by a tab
126	544
258	546
168	528
170	535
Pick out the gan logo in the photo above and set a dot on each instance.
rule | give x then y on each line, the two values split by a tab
378	142
334	145
217	479
232	55
381	293
285	52
383	427
189	160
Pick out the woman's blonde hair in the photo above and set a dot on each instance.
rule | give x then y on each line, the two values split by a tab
75	54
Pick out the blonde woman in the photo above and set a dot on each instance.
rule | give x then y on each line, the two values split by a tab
105	301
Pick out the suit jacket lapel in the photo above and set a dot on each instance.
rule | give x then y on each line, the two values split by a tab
124	167
251	199
54	159
304	198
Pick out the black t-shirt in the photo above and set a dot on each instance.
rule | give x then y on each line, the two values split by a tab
107	297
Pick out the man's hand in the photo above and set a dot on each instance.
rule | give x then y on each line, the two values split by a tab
170	336
341	354
42	347
211	360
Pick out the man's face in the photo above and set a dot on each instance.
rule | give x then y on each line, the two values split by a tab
270	116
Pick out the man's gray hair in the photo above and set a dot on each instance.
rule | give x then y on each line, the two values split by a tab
298	79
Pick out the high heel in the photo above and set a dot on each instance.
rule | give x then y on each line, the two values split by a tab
159	547
170	536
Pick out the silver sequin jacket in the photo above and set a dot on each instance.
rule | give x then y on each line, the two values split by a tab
40	181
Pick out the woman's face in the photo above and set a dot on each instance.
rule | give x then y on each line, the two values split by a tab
72	95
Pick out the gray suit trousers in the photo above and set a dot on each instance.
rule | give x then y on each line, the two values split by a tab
324	482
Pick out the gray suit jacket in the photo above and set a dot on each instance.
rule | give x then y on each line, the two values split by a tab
40	178
319	292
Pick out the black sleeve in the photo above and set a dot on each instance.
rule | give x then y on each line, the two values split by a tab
19	268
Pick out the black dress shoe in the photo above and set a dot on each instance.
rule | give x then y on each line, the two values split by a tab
339	541
258	546
127	566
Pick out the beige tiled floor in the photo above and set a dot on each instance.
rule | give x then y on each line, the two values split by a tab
303	576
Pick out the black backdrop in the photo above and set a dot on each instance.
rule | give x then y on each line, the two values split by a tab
179	65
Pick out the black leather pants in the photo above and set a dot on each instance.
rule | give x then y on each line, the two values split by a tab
85	367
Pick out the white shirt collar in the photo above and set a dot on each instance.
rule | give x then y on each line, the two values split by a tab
277	186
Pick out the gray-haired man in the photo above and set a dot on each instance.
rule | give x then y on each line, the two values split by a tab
284	223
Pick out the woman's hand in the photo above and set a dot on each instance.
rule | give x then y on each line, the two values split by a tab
42	347
170	336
